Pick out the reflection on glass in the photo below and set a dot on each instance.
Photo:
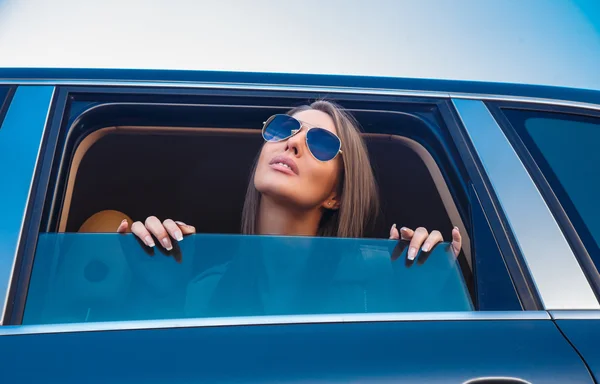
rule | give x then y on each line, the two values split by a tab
111	277
571	150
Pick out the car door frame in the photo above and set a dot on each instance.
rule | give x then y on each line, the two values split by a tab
22	138
526	295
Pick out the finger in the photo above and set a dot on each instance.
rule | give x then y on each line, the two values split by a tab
158	230
416	242
173	229
141	232
394	234
186	229
123	227
456	241
406	233
433	238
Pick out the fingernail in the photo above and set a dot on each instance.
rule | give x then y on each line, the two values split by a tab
167	244
181	223
426	248
404	229
123	221
393	225
412	252
455	227
148	241
178	235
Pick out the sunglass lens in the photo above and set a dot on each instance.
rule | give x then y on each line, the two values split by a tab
280	127
323	144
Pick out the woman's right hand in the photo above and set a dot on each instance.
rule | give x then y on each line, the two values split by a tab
165	232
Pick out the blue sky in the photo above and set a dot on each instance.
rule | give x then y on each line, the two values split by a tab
554	42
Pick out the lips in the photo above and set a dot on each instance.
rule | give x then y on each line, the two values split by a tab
284	164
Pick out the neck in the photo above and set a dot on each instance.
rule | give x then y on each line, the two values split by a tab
277	219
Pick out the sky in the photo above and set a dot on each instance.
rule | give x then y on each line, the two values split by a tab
551	42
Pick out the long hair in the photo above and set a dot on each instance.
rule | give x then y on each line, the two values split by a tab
359	201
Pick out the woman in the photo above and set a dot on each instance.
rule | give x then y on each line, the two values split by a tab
312	178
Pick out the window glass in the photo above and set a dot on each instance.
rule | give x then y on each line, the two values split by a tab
105	277
565	148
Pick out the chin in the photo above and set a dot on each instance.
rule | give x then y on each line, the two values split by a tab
280	192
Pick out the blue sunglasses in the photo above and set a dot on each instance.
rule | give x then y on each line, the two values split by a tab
324	145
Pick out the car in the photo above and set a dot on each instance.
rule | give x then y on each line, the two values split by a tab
513	166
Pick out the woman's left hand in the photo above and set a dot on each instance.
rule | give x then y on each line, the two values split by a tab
421	238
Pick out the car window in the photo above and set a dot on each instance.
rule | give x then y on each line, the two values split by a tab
77	269
107	277
564	147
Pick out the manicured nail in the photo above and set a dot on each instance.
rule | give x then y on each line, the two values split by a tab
412	253
123	221
393	225
178	235
167	244
148	241
181	223
455	227
425	248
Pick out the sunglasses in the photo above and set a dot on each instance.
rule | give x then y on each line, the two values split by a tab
324	145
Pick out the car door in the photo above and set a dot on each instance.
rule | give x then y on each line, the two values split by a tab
558	143
507	337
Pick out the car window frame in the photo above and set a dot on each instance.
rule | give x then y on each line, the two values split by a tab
523	288
560	213
6	100
36	137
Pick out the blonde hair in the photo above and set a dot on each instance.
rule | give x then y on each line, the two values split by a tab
359	203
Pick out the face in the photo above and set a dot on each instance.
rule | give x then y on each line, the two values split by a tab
306	183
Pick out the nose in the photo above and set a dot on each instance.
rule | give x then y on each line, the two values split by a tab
296	144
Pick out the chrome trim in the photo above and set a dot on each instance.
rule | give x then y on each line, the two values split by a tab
575	315
19	130
554	268
276	87
527	100
272	320
496	379
232	86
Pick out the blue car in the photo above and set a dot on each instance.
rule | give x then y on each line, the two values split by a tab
515	167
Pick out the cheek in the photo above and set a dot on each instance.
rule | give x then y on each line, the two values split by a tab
321	180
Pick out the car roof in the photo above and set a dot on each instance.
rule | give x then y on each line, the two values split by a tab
331	83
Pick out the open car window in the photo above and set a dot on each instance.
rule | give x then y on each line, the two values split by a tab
110	277
197	157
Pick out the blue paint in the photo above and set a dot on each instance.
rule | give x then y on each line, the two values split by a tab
585	336
20	139
414	352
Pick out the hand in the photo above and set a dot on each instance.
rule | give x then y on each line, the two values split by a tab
164	231
421	238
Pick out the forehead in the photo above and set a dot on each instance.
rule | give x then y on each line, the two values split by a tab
314	118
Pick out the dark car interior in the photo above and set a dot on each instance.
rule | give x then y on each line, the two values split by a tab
193	164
